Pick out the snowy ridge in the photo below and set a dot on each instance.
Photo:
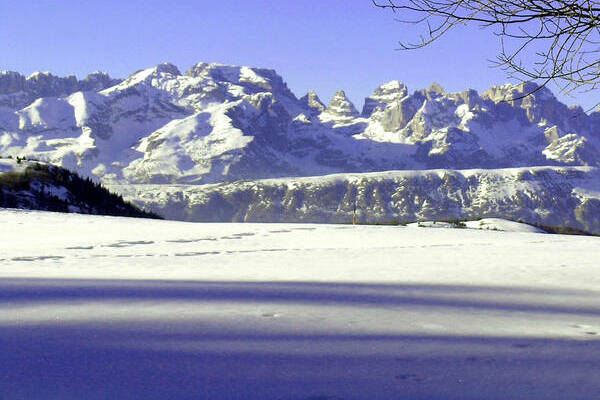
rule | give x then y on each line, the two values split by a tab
552	196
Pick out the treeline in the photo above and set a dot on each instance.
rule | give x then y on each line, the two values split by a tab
50	188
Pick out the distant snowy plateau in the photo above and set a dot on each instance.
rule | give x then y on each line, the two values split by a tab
227	143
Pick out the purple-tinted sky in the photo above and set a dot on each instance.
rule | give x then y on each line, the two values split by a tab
321	44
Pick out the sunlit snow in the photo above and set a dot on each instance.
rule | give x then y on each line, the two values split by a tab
105	307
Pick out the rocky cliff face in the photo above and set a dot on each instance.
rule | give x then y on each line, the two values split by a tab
17	91
552	196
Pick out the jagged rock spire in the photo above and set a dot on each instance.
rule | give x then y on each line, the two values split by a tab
341	106
312	101
385	94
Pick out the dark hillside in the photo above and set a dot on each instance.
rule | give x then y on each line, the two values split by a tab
50	188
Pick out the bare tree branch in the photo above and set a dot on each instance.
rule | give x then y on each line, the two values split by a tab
541	40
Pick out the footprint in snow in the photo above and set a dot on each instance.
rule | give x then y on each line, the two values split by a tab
410	377
189	240
580	326
587	329
125	243
40	258
254	251
484	359
195	253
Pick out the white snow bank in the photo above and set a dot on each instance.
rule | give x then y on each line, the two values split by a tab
490	224
497	224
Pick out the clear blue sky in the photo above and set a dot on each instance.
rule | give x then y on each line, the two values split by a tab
321	44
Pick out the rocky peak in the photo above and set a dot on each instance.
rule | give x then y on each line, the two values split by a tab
231	73
538	104
168	68
252	80
390	91
157	76
469	97
312	101
385	94
219	72
514	94
45	84
11	82
340	105
97	81
435	89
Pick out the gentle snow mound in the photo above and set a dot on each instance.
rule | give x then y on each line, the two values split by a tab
498	224
491	224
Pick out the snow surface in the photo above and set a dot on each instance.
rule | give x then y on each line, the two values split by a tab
105	307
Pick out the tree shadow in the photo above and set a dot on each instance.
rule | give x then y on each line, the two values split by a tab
517	299
197	358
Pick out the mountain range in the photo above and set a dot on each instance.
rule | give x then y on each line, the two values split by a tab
218	124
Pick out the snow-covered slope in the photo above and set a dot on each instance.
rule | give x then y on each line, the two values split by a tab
103	307
218	123
552	196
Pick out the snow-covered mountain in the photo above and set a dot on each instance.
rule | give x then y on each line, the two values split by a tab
219	123
216	127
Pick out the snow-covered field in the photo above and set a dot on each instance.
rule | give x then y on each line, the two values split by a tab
103	307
